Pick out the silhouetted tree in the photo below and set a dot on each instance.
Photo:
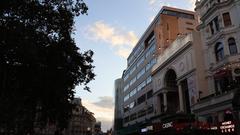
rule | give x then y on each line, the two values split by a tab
40	64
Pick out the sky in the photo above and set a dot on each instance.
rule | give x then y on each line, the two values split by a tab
111	29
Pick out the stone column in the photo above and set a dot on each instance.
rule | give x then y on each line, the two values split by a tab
165	101
180	94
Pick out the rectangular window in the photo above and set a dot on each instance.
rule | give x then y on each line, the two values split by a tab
126	98
149	94
141	113
216	23
133	81
141	86
133	92
141	99
227	19
126	77
132	105
132	70
133	116
126	87
211	27
140	61
140	73
149	79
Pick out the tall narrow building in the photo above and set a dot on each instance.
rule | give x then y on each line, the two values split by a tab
137	95
118	112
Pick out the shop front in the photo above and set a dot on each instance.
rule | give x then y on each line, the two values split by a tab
190	128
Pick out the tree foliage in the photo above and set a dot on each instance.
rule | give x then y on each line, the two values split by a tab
40	64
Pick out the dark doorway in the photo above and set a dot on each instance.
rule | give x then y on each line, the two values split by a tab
186	96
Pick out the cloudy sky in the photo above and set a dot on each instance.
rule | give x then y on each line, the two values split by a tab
111	29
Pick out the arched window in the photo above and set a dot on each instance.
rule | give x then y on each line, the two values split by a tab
232	46
219	52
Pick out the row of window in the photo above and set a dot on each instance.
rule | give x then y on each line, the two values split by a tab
139	114
215	26
141	61
144	45
139	88
219	49
136	53
140	74
139	101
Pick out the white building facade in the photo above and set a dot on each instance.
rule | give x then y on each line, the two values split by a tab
220	31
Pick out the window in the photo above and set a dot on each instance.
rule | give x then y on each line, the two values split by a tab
126	87
216	23
126	98
148	66
132	105
140	61
232	46
141	99
211	27
126	108
141	113
133	81
126	119
133	92
149	94
126	77
149	79
219	52
132	70
150	109
140	73
227	19
133	116
141	86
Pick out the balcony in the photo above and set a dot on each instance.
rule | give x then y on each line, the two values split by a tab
214	101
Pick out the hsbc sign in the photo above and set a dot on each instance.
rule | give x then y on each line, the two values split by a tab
167	125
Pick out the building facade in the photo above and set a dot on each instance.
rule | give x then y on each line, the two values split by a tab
118	112
138	104
82	121
178	77
220	30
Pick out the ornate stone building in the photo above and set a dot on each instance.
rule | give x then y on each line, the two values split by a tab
82	121
220	30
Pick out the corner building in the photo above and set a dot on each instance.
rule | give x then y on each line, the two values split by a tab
138	104
220	30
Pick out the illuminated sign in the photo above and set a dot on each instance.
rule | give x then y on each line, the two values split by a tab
167	125
227	126
214	128
148	128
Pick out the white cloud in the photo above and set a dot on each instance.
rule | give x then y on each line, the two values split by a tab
192	4
106	102
156	5
116	37
123	52
152	2
103	111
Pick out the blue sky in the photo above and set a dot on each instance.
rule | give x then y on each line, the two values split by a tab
111	30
